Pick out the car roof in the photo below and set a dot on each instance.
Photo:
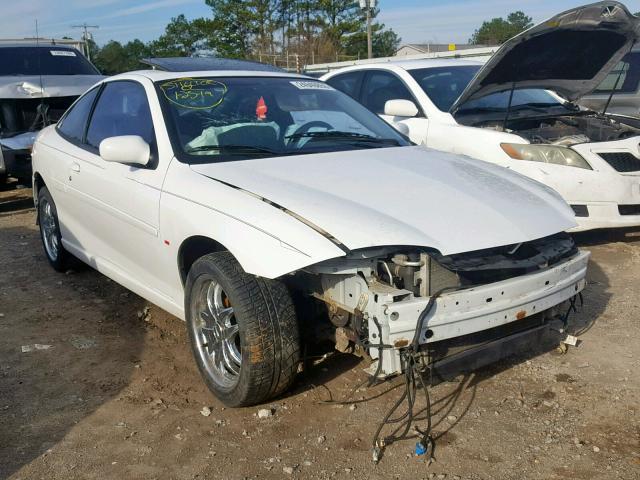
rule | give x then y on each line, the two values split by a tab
160	75
42	44
415	64
189	64
434	62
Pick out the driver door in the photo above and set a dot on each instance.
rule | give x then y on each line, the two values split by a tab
117	205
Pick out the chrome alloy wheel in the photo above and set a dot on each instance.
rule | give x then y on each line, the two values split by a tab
216	334
49	229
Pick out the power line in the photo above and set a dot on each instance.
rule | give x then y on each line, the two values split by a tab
86	36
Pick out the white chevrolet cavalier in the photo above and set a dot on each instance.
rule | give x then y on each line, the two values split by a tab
516	110
260	205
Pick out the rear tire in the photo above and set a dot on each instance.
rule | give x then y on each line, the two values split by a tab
58	257
243	331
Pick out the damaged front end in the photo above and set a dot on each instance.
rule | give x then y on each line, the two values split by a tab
375	298
38	83
20	122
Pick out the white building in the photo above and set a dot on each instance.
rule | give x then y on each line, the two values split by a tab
422	48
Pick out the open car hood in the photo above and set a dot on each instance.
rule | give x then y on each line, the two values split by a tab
571	53
402	196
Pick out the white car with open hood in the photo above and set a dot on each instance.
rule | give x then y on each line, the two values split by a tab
517	110
261	207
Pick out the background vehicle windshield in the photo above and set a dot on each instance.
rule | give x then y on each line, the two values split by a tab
533	97
219	119
45	60
443	85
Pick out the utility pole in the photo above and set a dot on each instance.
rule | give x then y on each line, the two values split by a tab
368	5
86	36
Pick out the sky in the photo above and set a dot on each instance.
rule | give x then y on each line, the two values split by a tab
416	21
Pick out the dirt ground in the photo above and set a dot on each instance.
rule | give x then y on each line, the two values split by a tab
117	394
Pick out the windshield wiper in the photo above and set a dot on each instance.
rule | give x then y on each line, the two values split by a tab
360	137
234	149
538	107
481	109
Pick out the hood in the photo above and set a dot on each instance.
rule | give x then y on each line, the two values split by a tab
570	53
20	87
402	196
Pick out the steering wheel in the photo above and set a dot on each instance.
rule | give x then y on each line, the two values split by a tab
305	127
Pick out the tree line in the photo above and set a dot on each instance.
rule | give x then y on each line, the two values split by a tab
287	33
498	30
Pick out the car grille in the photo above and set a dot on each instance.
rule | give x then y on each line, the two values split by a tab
629	209
621	161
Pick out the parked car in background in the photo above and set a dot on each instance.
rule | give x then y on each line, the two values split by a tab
620	90
257	204
517	110
38	82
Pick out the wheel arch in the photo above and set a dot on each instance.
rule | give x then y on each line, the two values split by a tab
38	183
193	248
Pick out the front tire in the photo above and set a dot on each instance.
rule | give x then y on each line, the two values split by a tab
58	257
243	331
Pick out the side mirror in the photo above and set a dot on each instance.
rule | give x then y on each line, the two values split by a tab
130	149
400	108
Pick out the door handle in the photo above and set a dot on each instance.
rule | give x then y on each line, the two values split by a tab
75	167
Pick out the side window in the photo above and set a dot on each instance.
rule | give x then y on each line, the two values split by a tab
382	86
122	109
625	77
74	122
348	83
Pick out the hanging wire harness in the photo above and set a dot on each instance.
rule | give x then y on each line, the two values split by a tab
417	375
415	369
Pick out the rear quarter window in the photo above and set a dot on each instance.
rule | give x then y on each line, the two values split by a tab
74	123
348	83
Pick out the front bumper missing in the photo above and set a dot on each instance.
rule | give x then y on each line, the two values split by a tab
475	309
543	336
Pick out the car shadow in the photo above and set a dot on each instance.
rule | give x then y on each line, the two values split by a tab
601	237
68	344
14	199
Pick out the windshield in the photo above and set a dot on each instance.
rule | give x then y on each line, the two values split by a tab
443	85
213	119
49	60
528	97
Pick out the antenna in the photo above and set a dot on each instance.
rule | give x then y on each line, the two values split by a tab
42	109
39	61
86	36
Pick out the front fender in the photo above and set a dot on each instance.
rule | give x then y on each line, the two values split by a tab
266	241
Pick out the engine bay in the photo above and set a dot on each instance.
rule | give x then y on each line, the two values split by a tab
352	297
567	130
